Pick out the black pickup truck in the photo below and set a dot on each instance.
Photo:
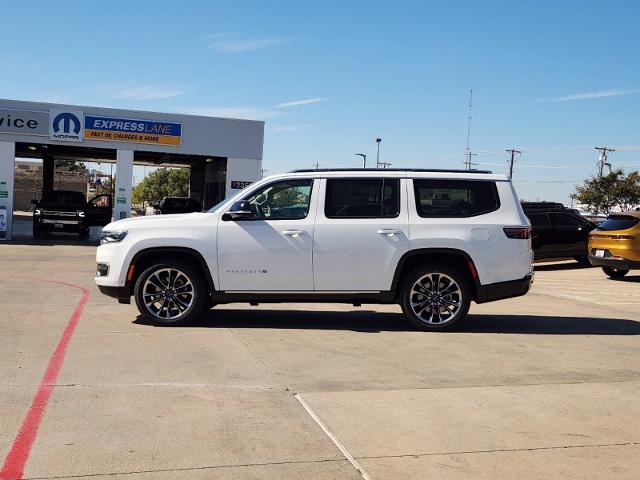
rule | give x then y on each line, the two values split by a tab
68	211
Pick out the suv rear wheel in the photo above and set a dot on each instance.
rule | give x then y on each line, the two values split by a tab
435	296
170	292
613	272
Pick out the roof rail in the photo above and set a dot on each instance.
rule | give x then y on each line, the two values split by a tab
426	170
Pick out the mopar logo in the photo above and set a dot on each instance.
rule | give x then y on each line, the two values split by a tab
66	119
66	125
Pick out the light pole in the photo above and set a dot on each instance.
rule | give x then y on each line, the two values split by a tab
378	140
364	159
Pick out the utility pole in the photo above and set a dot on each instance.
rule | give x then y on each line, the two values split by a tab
513	153
468	163
378	140
317	165
602	158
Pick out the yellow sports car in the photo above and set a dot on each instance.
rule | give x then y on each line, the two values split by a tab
615	244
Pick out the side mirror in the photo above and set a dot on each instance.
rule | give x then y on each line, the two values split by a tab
238	210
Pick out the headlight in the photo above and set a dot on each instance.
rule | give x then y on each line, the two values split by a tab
111	237
80	213
37	211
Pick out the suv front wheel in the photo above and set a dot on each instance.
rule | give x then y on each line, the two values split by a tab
170	292
435	296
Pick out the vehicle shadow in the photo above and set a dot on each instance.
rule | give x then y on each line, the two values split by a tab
547	267
627	279
368	321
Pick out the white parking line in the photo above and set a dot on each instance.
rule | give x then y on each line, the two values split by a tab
333	438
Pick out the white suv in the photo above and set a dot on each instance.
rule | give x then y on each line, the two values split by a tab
429	240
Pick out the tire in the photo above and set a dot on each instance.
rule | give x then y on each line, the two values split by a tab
453	307
613	272
180	300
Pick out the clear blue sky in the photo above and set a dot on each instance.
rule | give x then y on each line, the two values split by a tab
551	78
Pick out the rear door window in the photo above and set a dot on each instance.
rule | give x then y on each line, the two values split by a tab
362	198
455	198
565	220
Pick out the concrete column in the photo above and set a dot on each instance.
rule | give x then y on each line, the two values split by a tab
241	170
124	180
48	172
7	172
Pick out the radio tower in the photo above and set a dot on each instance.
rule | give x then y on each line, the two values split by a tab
467	151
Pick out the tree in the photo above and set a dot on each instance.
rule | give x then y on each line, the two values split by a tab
163	182
616	189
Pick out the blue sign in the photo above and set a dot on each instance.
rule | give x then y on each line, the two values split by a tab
66	119
131	130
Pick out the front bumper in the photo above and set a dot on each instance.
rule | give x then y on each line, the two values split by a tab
60	225
502	290
620	263
122	294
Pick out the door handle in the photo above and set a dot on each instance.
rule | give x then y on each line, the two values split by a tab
292	233
389	232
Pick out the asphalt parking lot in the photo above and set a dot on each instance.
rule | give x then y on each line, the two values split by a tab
538	387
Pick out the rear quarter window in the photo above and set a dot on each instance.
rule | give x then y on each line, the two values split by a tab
455	198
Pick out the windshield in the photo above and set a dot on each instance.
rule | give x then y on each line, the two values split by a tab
618	222
71	198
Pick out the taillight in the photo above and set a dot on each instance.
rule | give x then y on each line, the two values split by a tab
520	233
612	237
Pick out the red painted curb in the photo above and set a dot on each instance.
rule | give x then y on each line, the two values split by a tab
16	460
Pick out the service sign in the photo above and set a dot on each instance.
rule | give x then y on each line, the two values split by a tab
24	122
130	130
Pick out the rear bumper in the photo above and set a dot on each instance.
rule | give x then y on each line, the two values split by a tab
502	290
615	262
122	294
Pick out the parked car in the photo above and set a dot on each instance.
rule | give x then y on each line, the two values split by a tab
615	244
68	211
558	232
170	205
431	241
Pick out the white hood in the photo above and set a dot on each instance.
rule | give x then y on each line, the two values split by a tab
178	220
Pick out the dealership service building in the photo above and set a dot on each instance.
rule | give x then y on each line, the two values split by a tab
223	155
